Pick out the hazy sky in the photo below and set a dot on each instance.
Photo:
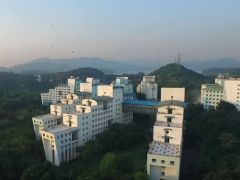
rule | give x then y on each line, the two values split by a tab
120	29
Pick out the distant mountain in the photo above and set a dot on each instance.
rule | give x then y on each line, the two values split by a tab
212	63
3	69
216	71
47	65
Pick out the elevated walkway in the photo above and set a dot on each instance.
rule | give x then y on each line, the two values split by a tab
140	106
148	107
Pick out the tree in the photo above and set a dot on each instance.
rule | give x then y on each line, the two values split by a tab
140	176
108	163
226	107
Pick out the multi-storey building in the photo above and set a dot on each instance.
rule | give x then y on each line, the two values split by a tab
125	83
148	87
55	117
90	86
127	86
55	95
211	95
79	121
74	84
164	155
225	88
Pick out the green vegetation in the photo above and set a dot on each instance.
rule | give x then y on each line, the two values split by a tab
210	150
176	75
119	153
211	143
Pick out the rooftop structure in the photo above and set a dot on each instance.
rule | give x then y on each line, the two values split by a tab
166	149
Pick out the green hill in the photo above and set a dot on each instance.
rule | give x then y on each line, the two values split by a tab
175	75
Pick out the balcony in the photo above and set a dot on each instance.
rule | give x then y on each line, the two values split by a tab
166	124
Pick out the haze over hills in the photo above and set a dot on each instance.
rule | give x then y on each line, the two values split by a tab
216	71
48	65
212	63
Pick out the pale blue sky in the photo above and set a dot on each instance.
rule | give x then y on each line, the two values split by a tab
154	30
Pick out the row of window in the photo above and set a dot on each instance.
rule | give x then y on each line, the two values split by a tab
163	161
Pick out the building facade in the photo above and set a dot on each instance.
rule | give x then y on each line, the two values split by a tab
224	89
148	87
164	155
55	95
75	121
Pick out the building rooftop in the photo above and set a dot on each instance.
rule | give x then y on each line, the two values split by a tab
164	149
213	87
47	116
59	128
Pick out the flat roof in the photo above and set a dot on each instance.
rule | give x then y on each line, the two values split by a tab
215	87
59	128
46	116
164	149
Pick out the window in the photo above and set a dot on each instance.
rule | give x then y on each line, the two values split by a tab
154	160
171	162
169	119
162	173
162	161
166	139
169	110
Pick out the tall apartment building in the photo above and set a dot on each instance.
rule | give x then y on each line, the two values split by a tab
149	87
225	88
79	121
164	155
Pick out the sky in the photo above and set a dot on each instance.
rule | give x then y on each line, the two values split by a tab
151	30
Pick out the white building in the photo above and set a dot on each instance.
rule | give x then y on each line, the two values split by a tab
211	95
164	155
67	104
148	87
81	121
225	88
74	84
90	86
55	95
125	83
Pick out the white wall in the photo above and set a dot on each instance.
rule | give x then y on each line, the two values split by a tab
176	93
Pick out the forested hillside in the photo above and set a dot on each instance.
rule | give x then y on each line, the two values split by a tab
176	75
